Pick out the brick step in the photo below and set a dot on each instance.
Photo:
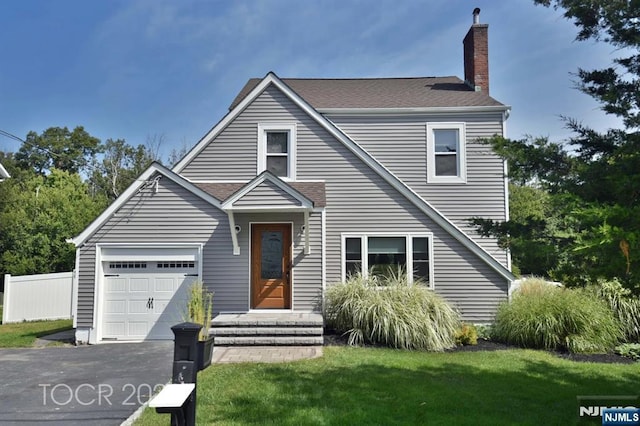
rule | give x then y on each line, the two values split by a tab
268	340
265	331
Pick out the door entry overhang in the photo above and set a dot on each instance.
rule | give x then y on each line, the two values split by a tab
267	193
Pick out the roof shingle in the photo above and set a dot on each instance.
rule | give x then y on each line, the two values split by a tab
418	92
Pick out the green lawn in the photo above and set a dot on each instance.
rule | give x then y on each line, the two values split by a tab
353	386
24	334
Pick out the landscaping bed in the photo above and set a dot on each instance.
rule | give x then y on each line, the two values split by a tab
333	339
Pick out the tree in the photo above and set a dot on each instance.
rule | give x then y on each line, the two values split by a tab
37	215
593	182
60	148
177	154
615	22
120	166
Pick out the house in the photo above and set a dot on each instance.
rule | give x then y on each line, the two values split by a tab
3	173
303	182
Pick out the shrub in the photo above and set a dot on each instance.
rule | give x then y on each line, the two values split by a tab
625	306
199	308
552	318
467	335
484	331
391	312
629	350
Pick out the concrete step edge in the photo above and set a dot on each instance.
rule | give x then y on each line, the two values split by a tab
266	331
268	341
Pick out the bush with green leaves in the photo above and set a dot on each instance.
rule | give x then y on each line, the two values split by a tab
554	318
390	311
484	331
629	350
625	306
467	335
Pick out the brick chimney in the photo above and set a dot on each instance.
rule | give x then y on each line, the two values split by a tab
476	55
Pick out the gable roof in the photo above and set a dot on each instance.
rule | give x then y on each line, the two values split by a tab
382	93
143	179
355	148
314	191
3	173
292	195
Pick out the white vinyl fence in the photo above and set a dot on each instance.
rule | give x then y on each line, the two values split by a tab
37	297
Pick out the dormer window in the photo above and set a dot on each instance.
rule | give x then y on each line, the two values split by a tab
446	153
276	149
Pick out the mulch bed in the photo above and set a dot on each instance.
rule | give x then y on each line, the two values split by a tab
333	339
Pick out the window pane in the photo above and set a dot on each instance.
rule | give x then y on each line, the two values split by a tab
386	254
353	256
420	249
384	245
277	142
420	259
446	140
354	249
353	268
421	271
446	165
278	165
271	252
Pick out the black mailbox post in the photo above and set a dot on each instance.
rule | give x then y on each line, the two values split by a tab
185	369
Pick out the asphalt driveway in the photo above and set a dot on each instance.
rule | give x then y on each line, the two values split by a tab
86	385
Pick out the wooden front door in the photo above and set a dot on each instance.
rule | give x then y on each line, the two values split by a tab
271	266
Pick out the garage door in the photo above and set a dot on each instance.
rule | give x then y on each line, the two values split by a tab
144	298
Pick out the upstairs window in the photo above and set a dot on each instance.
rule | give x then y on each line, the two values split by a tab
446	153
276	150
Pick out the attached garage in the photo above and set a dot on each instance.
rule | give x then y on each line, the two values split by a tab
143	290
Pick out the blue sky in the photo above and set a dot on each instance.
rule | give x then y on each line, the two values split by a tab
136	68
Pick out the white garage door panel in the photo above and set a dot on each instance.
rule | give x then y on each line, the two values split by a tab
138	328
116	285
143	299
139	285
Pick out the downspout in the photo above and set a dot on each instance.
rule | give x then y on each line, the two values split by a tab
505	170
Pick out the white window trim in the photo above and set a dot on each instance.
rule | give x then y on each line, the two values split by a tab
409	251
290	128
462	153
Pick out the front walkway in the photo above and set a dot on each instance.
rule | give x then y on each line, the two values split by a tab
269	354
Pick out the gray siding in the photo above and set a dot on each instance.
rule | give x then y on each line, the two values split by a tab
400	143
358	200
173	215
267	194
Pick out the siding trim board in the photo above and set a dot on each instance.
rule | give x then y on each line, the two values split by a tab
409	111
363	155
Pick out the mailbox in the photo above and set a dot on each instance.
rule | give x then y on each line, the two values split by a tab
182	405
